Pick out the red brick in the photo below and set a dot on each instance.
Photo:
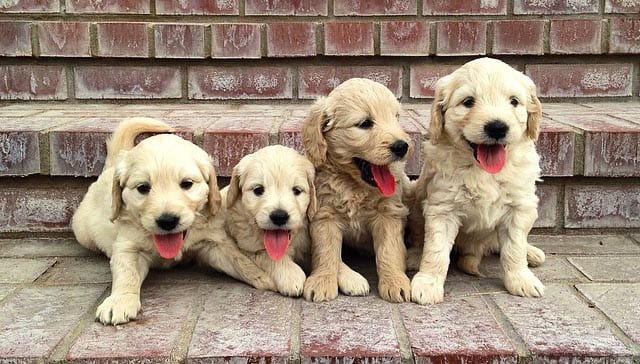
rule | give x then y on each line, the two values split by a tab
424	77
581	80
239	83
108	6
256	328
556	145
290	131
622	6
179	40
462	7
150	82
198	7
518	37
575	36
547	206
555	7
461	38
19	144
460	330
291	39
375	7
233	137
314	81
123	40
235	40
286	7
64	39
38	210
33	83
404	38
30	6
624	35
348	38
165	310
15	39
598	206
365	333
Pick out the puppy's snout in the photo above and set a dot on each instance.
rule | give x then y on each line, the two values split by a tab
279	217
399	148
167	222
496	129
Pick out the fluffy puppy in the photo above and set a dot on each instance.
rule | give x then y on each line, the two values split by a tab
477	185
355	141
155	204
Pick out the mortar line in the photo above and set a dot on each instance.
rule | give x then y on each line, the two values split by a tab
296	319
181	346
402	335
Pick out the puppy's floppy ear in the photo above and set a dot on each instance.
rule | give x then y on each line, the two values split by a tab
317	122
116	195
215	200
436	125
234	187
313	200
534	110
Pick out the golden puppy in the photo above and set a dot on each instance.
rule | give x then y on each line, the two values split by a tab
155	204
477	185
355	141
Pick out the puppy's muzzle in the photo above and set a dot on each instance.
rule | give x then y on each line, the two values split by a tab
496	129
399	148
279	217
167	221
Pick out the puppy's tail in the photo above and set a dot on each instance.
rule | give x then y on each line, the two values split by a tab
124	137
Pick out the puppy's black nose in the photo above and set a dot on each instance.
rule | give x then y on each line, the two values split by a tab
167	222
279	217
496	129
399	148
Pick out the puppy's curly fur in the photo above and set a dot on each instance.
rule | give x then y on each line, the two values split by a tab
477	185
354	139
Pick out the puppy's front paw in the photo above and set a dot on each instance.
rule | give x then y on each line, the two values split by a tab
535	256
321	287
290	281
264	282
523	283
427	289
395	289
118	309
352	283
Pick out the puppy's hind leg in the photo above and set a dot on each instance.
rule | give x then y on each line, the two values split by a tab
535	256
471	251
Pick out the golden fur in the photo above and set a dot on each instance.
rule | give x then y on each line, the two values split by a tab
459	202
357	119
164	175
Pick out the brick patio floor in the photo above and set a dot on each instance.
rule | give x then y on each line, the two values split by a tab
50	288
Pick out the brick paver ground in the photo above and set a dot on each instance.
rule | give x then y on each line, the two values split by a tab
50	288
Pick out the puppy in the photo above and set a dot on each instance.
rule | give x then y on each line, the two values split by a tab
155	204
477	185
354	139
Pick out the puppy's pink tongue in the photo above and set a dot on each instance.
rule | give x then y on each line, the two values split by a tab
168	245
384	179
276	243
492	157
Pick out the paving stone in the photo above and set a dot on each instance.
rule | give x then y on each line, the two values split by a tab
21	270
620	302
239	322
23	248
150	338
79	270
554	269
5	290
609	269
585	244
40	317
461	329
365	331
186	274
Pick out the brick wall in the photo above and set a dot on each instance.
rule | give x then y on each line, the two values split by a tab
183	51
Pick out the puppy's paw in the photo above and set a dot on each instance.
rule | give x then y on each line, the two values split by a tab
427	289
264	282
395	289
470	264
535	256
118	309
523	283
352	283
290	281
321	287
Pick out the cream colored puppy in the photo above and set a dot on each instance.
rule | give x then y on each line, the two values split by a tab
354	139
477	185
154	205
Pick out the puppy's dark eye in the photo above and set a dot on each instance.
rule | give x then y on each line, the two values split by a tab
514	102
143	188
469	102
186	184
258	190
297	191
365	124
